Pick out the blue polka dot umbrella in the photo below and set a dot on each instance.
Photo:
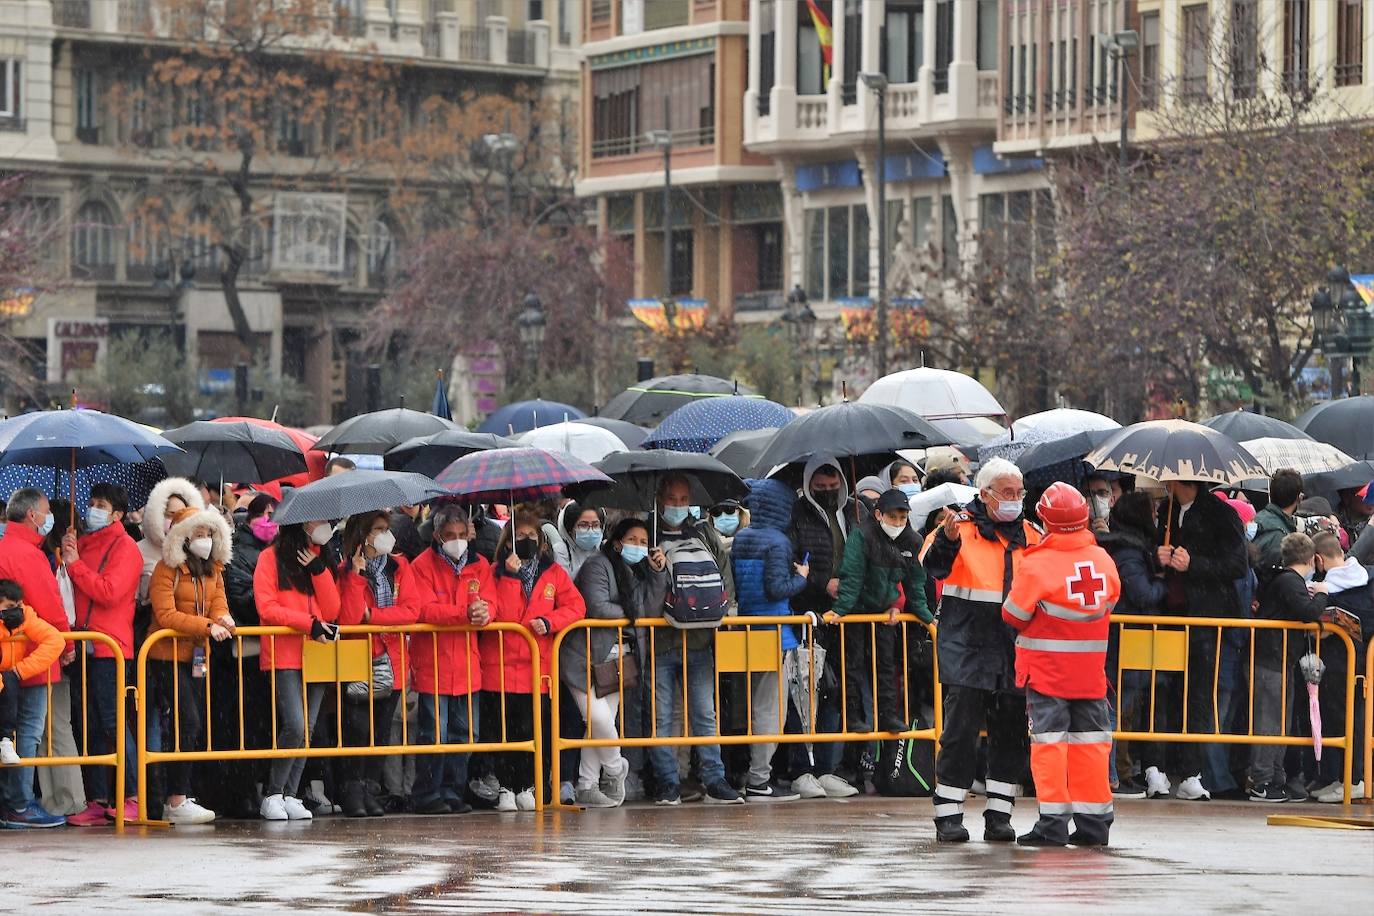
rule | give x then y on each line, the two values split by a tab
137	480
698	425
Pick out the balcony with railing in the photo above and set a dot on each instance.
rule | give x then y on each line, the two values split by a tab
71	14
606	147
520	47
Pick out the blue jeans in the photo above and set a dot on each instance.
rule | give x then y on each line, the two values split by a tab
444	776
33	715
100	702
700	714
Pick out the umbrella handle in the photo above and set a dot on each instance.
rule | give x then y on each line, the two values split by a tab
1169	521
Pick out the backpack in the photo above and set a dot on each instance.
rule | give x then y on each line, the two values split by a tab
696	589
906	767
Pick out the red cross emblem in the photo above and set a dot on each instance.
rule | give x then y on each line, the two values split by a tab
1086	585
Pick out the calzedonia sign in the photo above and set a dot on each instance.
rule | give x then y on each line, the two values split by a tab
75	345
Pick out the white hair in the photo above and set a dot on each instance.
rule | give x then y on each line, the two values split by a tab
994	469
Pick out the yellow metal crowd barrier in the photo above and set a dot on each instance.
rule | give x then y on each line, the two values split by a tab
1369	724
745	645
336	664
1157	645
49	753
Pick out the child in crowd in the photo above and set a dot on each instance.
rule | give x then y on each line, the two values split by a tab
20	659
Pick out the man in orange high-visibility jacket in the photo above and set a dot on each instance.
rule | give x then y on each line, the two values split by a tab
1061	604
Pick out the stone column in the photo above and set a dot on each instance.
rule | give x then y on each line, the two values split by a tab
497	28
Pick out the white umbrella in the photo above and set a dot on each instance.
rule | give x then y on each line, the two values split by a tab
587	443
934	394
946	494
1306	456
1062	422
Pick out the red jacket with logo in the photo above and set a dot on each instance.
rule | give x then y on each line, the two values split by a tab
445	596
356	598
555	599
1060	603
105	580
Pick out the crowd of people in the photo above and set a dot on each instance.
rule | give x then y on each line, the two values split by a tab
205	562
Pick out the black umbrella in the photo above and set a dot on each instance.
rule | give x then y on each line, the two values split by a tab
1175	450
1242	426
1347	478
849	430
638	474
239	452
378	432
740	450
1347	424
1060	459
430	454
633	436
350	494
648	402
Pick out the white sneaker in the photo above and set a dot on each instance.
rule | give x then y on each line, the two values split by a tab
296	810
1191	789
1334	794
188	812
835	787
505	800
1157	784
273	808
524	801
978	788
8	756
1316	792
807	786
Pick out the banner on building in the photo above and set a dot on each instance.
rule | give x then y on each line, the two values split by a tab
308	232
75	345
687	314
1364	285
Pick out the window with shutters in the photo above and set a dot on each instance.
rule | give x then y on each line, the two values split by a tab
944	43
11	94
1195	29
1349	42
1149	60
628	102
87	105
903	40
1297	22
93	254
1244	48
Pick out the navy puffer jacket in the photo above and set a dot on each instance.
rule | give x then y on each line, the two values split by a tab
762	556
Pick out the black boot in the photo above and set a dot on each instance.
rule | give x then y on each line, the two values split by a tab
950	830
372	804
997	828
1079	838
894	724
352	801
1035	838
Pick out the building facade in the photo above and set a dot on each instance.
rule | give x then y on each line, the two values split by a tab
61	60
680	66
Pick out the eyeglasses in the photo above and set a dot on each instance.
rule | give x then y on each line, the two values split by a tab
1010	494
717	513
587	526
1105	494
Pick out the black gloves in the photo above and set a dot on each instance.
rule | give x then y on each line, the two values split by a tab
323	632
12	617
315	566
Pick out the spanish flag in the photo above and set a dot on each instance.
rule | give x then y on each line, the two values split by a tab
823	34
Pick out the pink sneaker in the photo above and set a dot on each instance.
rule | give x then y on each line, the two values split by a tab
93	816
130	809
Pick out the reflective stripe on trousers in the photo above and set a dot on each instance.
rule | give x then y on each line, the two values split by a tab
1070	747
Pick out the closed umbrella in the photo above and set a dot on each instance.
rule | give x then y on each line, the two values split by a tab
353	493
935	394
588	443
1347	424
1166	450
740	451
637	476
648	402
378	432
1306	456
1242	425
430	454
239	452
518	474
523	416
851	429
699	425
633	436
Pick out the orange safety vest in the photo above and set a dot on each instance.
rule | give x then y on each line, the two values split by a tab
1061	604
979	571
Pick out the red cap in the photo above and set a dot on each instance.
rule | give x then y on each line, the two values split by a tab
1062	509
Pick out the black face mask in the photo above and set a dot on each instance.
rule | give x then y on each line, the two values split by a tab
12	617
526	548
827	499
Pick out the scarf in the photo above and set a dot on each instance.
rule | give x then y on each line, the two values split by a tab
529	574
456	565
375	571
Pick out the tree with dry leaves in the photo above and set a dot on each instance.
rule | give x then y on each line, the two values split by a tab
27	236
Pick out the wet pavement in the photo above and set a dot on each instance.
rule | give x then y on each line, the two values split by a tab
869	856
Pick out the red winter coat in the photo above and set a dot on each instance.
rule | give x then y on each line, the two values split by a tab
22	560
555	599
356	597
286	607
446	596
1061	603
105	580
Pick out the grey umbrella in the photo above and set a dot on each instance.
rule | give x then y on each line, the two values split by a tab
356	491
240	452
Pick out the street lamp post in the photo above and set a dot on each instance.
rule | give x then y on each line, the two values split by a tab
532	324
176	274
800	322
1120	45
877	83
663	139
1343	327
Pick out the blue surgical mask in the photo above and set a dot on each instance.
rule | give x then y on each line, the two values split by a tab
633	553
694	511
588	539
97	518
46	528
1251	529
909	489
675	515
727	524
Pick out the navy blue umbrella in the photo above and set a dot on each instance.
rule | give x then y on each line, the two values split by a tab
137	480
523	416
698	425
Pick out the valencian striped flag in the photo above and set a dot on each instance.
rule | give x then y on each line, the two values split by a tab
824	35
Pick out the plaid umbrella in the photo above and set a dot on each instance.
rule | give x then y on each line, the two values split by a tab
353	493
1306	456
518	475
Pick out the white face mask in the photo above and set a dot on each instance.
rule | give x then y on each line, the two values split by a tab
201	547
320	534
892	530
384	542
455	548
1007	510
